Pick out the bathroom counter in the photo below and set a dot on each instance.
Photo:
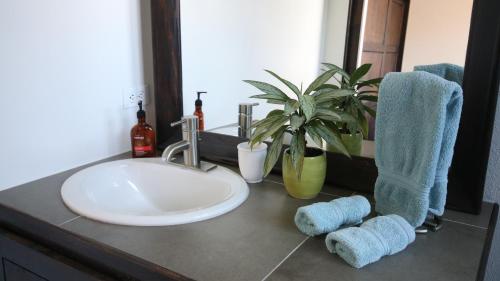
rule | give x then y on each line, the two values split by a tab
259	240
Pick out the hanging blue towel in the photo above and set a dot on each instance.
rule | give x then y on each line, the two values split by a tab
417	121
375	238
448	71
324	217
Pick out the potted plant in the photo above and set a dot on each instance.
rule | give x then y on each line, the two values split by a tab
304	168
352	133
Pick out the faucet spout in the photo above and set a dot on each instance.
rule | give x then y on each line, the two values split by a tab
188	145
173	149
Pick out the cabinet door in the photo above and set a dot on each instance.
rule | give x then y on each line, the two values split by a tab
25	260
15	272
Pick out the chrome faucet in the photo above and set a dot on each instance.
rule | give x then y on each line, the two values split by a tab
188	145
245	119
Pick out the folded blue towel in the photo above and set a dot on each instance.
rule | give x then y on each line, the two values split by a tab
418	114
375	238
448	71
324	217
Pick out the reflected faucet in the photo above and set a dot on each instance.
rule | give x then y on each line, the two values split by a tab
245	119
188	145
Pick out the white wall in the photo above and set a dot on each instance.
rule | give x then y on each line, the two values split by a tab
335	17
227	41
437	31
63	68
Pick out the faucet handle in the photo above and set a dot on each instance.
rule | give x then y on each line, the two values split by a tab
176	123
188	122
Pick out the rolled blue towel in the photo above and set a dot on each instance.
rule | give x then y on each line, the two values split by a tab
448	71
418	114
324	217
375	238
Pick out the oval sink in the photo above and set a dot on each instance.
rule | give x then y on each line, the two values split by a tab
149	192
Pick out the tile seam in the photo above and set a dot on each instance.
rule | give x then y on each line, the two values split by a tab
283	260
68	221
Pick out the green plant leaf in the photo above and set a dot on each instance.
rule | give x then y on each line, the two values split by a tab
270	98
363	123
297	148
274	150
291	106
372	82
359	73
271	116
332	138
311	130
286	82
280	102
339	70
325	95
322	79
367	92
272	92
372	98
308	106
261	133
327	86
370	111
296	121
327	114
346	117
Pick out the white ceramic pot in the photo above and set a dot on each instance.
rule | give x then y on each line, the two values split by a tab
251	161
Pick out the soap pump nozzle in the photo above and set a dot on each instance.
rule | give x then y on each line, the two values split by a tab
140	113
198	101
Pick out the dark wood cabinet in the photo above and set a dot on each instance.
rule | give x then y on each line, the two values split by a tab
25	260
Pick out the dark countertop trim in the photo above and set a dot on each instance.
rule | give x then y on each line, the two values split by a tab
97	255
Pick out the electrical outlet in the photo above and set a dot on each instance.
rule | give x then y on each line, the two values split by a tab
132	96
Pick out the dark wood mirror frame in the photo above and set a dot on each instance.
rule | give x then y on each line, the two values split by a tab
481	86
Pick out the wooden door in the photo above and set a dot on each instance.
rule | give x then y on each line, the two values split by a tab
383	38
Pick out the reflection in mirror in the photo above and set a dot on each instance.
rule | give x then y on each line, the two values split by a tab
399	35
238	39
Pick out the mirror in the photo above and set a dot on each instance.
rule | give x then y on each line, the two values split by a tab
238	39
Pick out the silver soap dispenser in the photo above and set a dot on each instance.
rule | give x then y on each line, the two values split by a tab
245	119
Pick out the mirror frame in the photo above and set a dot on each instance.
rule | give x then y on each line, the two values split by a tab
481	80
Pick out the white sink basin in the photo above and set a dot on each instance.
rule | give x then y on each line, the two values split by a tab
149	192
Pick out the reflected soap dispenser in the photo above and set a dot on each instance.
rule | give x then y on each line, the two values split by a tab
198	112
142	136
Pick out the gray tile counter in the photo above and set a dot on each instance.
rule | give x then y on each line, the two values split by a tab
259	240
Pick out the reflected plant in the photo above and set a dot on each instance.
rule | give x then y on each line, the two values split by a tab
310	112
360	91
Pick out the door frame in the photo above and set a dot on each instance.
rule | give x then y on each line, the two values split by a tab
353	34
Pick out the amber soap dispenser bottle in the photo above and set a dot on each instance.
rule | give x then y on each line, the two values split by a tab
143	137
198	112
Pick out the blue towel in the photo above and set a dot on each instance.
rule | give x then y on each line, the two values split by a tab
375	238
448	71
417	121
325	217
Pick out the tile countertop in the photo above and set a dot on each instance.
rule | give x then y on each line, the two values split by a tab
259	240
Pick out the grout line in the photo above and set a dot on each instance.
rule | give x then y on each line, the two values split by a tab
329	194
275	182
463	223
70	220
279	264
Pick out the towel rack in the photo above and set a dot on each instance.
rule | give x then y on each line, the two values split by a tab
433	223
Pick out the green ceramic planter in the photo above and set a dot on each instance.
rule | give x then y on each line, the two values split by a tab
312	179
353	143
